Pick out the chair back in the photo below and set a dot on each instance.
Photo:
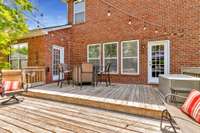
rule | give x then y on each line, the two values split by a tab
86	68
107	68
12	75
63	67
75	73
82	73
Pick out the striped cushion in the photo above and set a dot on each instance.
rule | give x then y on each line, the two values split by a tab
10	85
1	89
192	105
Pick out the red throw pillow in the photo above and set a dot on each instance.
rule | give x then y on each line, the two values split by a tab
192	105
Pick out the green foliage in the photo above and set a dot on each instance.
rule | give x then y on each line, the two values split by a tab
12	24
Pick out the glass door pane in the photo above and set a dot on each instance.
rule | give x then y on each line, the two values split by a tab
158	64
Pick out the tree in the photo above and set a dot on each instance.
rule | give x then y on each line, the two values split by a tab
12	25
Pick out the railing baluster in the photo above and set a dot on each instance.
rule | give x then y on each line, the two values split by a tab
35	75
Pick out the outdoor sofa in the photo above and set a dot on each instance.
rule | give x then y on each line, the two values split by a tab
176	117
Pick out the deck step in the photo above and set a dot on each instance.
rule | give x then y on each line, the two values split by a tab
142	109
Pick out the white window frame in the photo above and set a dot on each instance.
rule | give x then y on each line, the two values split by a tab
75	13
99	58
138	58
117	43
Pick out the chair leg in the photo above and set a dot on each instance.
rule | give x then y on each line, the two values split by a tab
106	80
167	116
61	83
162	117
12	98
109	80
58	83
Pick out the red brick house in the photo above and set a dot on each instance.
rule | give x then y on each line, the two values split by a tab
142	38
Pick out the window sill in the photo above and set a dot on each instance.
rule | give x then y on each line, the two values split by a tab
79	23
130	74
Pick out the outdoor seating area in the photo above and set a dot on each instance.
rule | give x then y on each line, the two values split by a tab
84	73
100	66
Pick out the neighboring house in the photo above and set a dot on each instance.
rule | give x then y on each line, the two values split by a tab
161	38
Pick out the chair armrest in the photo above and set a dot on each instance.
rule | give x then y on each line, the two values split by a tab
169	96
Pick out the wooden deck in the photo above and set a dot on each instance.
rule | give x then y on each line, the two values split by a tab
42	116
136	99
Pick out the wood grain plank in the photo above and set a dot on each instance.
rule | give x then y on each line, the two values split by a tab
33	121
80	114
12	128
91	111
2	130
23	125
78	120
68	121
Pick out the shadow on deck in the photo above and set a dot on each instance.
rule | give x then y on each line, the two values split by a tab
135	99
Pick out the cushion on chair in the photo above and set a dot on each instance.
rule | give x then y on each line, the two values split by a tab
192	105
1	89
11	85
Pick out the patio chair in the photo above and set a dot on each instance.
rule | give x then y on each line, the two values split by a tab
176	117
11	85
104	76
64	71
82	74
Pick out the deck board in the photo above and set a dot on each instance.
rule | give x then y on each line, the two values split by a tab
37	115
134	93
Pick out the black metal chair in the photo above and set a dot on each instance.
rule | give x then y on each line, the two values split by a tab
63	71
103	75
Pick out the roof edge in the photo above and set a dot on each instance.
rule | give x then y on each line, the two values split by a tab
44	31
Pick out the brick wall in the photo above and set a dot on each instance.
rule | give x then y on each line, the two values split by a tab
182	24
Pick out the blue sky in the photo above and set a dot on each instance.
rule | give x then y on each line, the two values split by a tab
54	13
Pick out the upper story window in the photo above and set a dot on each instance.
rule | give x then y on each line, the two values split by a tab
79	11
19	56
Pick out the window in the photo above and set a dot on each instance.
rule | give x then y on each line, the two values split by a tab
94	54
110	55
130	57
19	56
79	11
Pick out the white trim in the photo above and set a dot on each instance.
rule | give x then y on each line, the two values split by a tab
166	59
112	57
62	59
58	28
42	32
98	44
74	12
138	58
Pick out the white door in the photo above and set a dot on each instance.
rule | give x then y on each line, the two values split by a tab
158	60
57	58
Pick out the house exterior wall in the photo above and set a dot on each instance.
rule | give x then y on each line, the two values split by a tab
40	49
181	22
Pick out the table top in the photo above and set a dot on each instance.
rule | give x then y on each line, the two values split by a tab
180	77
